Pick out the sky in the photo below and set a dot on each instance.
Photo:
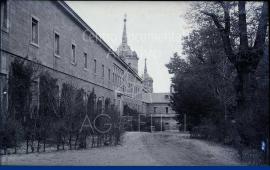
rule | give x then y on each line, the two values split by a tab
154	30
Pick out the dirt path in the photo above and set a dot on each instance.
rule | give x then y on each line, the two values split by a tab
138	148
177	149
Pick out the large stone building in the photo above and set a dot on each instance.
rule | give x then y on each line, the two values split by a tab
51	35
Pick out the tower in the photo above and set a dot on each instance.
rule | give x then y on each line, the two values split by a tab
147	80
125	52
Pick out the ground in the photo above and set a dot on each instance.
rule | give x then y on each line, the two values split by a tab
138	148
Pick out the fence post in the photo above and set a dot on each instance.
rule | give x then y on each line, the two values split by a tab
185	123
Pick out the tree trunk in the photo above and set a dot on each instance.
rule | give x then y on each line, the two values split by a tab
15	149
63	143
93	141
69	141
5	149
245	88
76	140
44	144
85	142
27	141
38	145
32	144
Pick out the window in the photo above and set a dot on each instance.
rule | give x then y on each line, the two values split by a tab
155	109
117	75
167	110
85	60
102	70
56	44
109	74
4	14
86	35
73	53
34	31
95	66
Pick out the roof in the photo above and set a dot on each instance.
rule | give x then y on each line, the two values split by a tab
156	97
171	115
146	77
75	16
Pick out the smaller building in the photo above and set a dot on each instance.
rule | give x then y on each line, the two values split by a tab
159	109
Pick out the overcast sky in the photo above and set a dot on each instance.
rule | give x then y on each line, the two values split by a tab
154	30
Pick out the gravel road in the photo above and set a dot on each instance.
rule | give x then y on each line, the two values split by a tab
138	148
178	149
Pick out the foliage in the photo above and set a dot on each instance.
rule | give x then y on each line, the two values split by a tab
222	84
21	77
202	81
50	116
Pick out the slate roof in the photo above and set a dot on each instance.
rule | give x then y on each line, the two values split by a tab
156	97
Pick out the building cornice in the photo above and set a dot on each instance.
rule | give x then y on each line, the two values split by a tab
80	21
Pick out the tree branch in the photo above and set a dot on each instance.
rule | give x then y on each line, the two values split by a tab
242	26
215	19
225	32
261	32
225	6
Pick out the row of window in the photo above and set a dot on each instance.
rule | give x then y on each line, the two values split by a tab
35	41
166	109
117	74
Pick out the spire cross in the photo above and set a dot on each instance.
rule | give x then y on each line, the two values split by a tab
125	17
124	37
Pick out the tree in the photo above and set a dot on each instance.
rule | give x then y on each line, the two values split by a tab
227	60
21	109
91	105
21	77
202	80
245	58
48	107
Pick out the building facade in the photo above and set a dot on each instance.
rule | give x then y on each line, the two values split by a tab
159	109
51	35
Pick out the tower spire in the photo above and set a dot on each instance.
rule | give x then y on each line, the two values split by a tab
124	37
145	67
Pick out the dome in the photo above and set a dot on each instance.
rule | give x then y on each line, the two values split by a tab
124	50
146	77
134	54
